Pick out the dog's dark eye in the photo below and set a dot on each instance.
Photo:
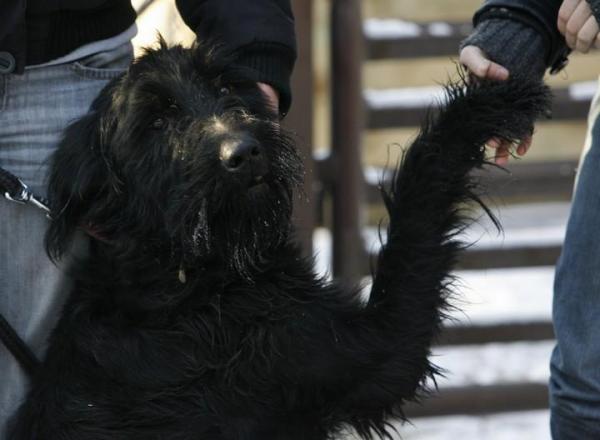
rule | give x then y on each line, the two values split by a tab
224	91
158	123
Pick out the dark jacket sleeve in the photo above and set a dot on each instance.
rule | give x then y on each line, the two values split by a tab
260	33
13	33
540	15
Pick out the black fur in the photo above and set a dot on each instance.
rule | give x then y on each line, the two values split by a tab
252	345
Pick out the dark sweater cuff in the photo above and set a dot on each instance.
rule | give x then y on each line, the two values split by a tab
271	64
511	44
595	7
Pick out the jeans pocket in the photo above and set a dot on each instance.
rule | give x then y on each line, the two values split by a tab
104	65
96	72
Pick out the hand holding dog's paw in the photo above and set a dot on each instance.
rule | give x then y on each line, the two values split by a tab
503	149
480	67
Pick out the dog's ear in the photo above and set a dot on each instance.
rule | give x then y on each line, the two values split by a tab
79	173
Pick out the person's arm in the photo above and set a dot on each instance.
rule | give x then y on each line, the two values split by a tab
13	32
520	35
260	33
517	43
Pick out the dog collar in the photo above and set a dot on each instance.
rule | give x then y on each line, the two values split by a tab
93	231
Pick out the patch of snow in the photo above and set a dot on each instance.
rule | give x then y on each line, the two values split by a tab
322	245
440	29
407	97
373	175
497	296
583	91
381	29
321	154
494	364
523	237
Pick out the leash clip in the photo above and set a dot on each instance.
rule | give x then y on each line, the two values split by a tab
25	196
21	198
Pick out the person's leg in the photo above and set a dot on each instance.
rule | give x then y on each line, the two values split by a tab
575	364
34	109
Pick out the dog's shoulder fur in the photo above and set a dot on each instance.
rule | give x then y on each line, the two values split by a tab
195	316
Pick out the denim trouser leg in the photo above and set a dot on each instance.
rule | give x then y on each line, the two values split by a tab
34	109
575	364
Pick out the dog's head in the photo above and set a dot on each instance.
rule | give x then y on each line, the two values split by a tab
183	153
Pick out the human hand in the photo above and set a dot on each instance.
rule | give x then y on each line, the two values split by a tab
271	95
579	26
475	60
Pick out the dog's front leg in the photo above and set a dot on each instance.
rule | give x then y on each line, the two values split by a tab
389	342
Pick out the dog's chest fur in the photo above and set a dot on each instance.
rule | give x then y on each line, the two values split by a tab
224	347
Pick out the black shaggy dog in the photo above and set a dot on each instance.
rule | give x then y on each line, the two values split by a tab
195	317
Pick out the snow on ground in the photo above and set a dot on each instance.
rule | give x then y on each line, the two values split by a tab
408	97
583	91
536	224
495	296
384	28
439	29
494	363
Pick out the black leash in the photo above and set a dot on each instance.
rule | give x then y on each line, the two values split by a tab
19	349
16	191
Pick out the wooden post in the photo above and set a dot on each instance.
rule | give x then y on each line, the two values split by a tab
347	48
300	121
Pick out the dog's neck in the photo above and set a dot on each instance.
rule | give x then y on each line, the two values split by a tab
148	273
144	291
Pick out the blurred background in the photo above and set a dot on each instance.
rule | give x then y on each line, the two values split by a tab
367	70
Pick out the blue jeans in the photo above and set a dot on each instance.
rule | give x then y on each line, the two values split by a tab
34	109
575	364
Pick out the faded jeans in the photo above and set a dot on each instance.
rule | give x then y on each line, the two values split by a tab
575	364
34	109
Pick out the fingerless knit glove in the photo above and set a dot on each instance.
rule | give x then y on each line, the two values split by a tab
512	44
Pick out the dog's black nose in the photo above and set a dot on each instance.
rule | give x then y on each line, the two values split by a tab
243	156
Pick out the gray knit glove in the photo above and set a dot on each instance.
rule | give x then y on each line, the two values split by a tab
595	7
512	44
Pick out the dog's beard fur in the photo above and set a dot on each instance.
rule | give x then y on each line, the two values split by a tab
218	219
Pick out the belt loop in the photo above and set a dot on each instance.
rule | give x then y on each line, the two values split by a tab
3	90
